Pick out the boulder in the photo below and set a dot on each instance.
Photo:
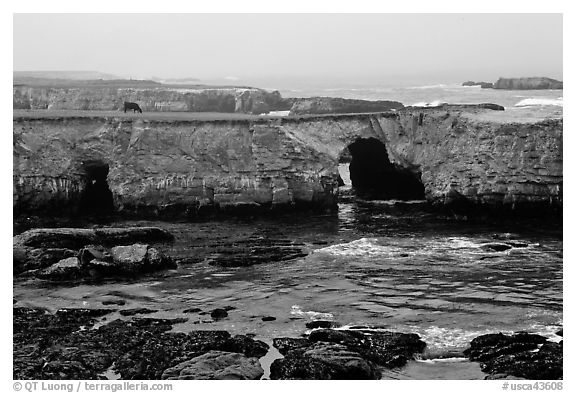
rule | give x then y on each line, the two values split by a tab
65	269
246	345
130	259
521	355
158	260
343	354
42	247
323	361
287	344
216	365
28	258
389	349
218	313
92	252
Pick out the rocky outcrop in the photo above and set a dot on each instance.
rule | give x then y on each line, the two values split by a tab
535	83
343	354
483	85
160	98
216	365
330	105
520	355
62	346
463	157
119	261
74	252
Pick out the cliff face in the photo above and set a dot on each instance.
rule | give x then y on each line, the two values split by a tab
240	100
187	166
535	83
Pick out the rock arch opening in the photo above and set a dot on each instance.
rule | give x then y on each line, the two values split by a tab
97	197
373	176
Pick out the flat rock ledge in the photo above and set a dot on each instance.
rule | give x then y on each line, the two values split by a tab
517	356
64	345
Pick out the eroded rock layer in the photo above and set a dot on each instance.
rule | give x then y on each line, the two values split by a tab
464	157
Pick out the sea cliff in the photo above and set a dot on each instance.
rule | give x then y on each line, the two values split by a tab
534	83
463	157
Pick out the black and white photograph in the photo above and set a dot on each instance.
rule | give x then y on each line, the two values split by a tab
286	196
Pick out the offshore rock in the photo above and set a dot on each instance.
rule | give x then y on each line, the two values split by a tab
534	83
483	85
331	105
520	355
217	365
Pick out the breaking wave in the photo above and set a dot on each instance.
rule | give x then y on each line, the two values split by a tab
314	315
541	102
429	104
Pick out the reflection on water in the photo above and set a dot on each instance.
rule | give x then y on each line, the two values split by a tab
397	270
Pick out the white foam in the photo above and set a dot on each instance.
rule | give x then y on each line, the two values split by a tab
366	247
315	315
541	102
443	360
425	87
429	104
439	338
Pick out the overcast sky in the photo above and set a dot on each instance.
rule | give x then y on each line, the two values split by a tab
385	47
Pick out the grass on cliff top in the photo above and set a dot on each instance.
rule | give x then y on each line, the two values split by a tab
165	116
202	116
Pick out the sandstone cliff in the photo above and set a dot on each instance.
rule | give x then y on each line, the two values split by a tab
150	98
535	83
478	156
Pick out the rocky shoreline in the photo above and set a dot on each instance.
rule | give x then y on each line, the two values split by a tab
84	344
119	341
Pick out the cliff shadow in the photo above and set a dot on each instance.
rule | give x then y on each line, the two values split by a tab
373	176
97	197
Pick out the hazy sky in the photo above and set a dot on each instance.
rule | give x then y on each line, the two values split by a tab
422	47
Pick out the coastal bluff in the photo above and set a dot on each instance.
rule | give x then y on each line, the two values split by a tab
461	156
532	83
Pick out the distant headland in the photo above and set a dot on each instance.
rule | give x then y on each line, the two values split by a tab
531	83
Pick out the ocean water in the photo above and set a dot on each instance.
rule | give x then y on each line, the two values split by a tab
381	264
541	101
386	265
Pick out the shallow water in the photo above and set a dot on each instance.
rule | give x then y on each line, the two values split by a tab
385	265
